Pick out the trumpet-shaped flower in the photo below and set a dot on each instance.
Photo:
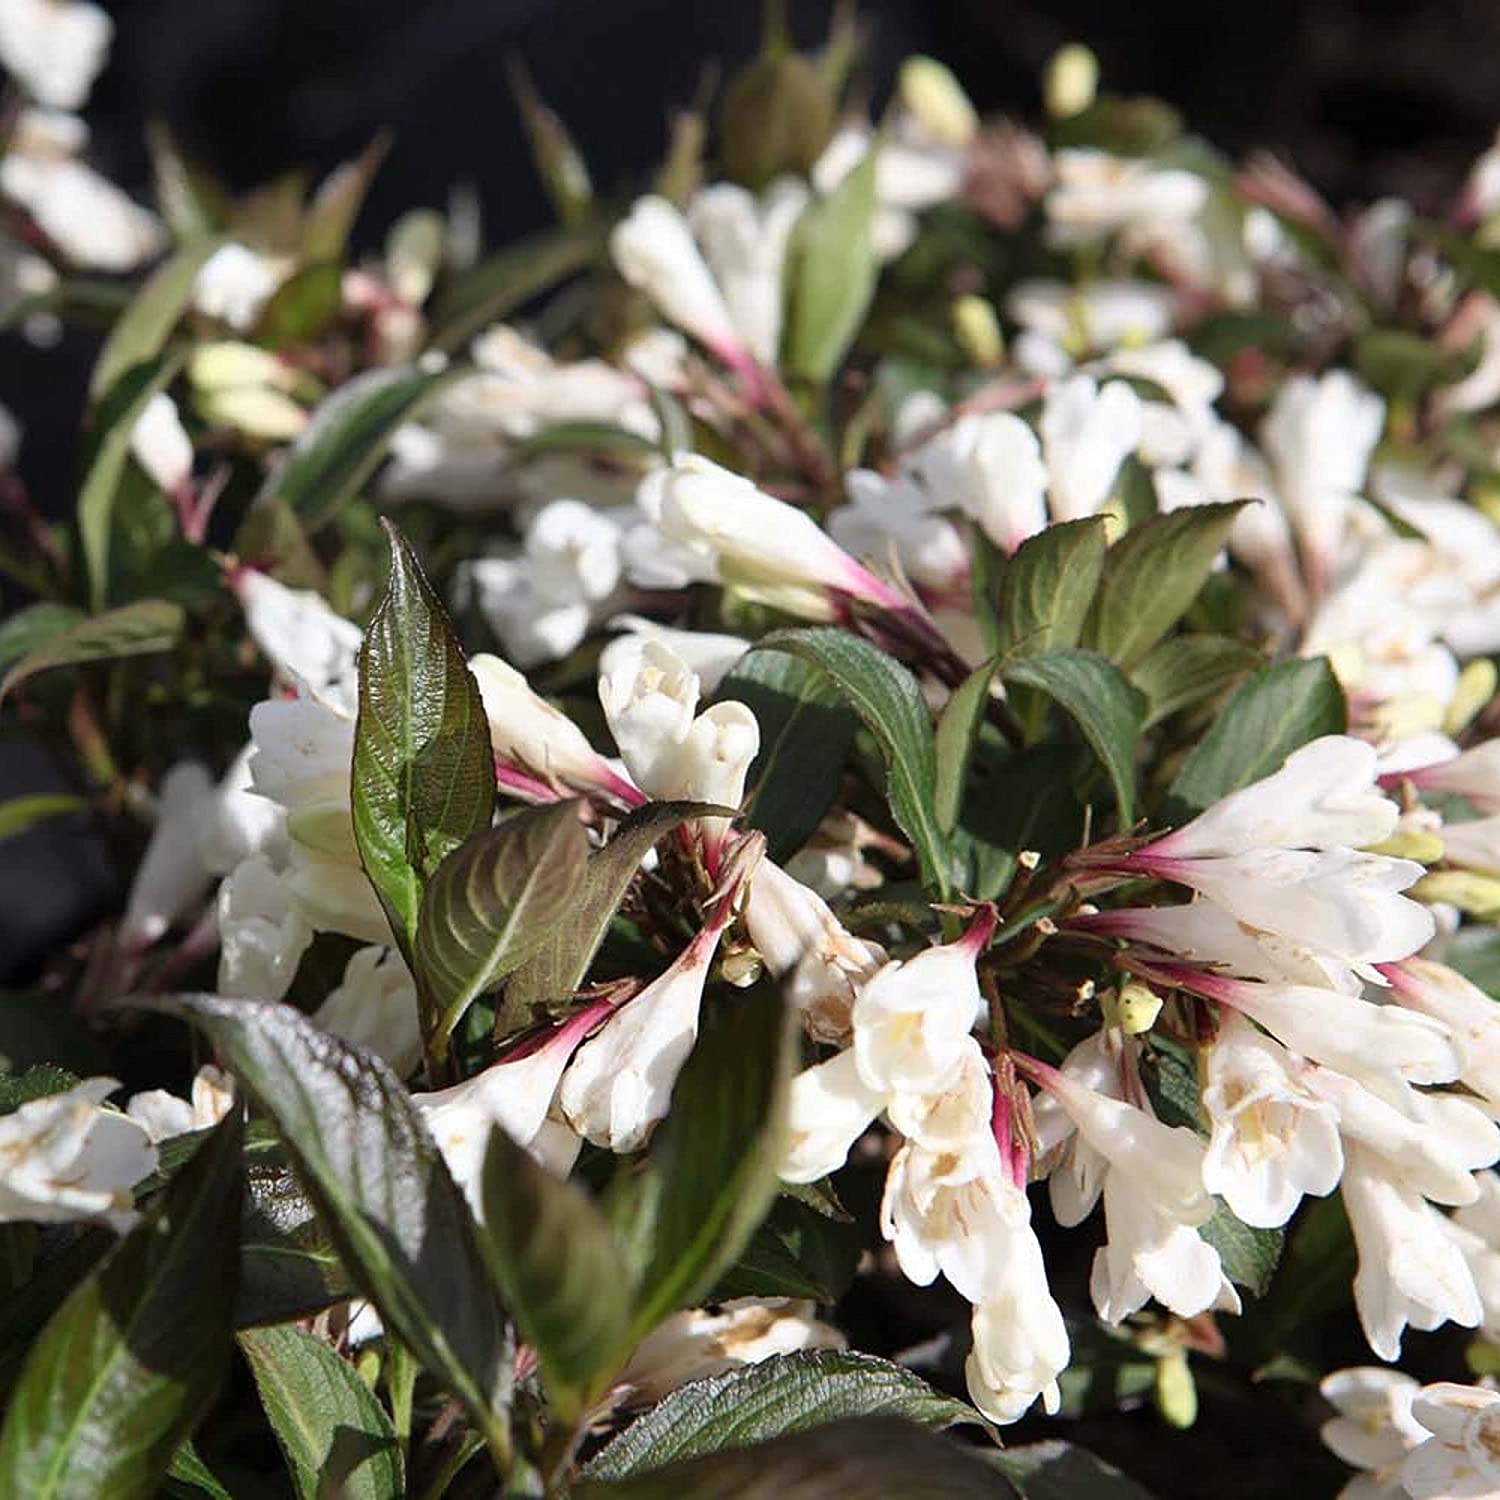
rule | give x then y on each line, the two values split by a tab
1443	993
301	636
989	466
1374	1428
829	1109
63	1158
1088	431
1461	1458
1020	1340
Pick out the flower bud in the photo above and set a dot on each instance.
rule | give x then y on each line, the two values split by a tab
257	411
213	367
1138	1007
1472	893
649	696
977	330
161	446
931	92
1476	686
1070	81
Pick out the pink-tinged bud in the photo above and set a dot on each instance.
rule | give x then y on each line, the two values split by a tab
1014	1148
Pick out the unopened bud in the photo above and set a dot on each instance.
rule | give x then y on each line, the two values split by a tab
1420	844
1028	859
1176	1391
741	969
931	92
1472	893
215	366
1476	686
1411	714
255	410
977	330
413	253
1138	1006
1070	82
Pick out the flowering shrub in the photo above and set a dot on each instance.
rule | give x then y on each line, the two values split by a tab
923	712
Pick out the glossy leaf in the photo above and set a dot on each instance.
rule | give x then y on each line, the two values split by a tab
831	275
494	902
711	1172
871	1458
119	409
1187	669
1151	576
140	629
335	1435
347	437
136	1355
886	697
957	728
288	1267
558	967
806	731
554	1257
423	778
1270	716
142	330
362	1150
1047	586
1103	705
778	1396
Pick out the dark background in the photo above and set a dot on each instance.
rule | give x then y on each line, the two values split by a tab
1365	96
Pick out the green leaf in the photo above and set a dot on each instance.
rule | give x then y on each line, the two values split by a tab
870	1458
554	1257
347	437
558	967
139	629
288	1267
335	206
21	814
1187	669
142	330
302	307
711	1172
1270	716
1103	705
806	731
1475	952
272	539
137	1353
773	1398
1057	1470
886	697
336	1436
423	777
187	1474
1249	1256
365	1156
32	627
1047	586
797	1252
559	163
831	270
507	280
38	1082
493	903
957	728
119	410
1151	576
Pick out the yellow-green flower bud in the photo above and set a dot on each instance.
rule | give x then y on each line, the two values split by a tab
977	330
931	92
1070	81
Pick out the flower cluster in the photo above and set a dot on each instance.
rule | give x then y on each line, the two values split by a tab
999	624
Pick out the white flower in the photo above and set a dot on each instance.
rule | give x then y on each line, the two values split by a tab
161	446
374	1006
63	1158
262	936
1374	1428
171	878
1472	1016
1020	1340
1370	1042
1319	435
748	535
1099	315
54	47
1087	433
714	758
649	696
1273	1139
700	1342
913	1017
1410	1271
745	242
242	822
949	1119
654	251
621	1082
1473	774
990	467
234	284
1324	794
708	653
163	1115
802	941
894	517
300	634
1097	194
518	1095
829	1108
528	733
1462	1457
90	220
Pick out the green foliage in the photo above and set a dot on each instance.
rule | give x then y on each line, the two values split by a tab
144	628
1046	588
137	1353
